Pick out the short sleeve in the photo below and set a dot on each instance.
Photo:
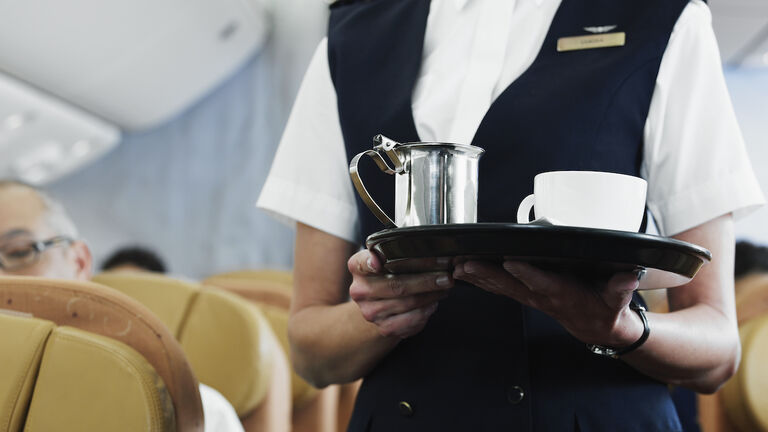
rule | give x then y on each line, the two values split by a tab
694	158
309	178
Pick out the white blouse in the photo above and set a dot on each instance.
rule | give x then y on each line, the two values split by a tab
694	156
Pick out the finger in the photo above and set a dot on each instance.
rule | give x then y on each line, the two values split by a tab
489	276
364	263
421	265
538	281
492	278
377	311
394	286
407	324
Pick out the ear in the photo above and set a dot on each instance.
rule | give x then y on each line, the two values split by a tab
83	259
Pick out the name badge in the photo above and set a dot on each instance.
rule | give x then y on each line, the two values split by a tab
602	40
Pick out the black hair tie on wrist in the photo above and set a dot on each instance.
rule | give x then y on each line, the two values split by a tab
616	353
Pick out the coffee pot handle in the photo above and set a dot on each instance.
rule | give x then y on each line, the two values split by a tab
524	211
363	192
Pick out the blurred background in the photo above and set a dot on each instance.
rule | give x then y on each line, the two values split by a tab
156	122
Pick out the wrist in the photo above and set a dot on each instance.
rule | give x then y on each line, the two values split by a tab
616	351
628	329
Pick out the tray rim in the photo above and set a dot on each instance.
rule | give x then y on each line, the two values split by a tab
467	228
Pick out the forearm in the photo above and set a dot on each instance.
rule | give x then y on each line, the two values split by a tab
335	340
697	344
696	347
335	344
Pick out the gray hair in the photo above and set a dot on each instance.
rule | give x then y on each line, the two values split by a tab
56	216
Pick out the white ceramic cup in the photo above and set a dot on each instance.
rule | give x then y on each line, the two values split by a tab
588	199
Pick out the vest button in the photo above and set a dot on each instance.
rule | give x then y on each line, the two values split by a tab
515	395
405	409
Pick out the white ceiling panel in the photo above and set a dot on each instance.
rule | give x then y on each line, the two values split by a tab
741	27
43	138
136	63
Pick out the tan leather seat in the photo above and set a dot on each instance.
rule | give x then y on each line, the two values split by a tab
745	396
264	275
751	296
78	381
226	339
23	340
313	410
145	345
733	408
92	382
274	300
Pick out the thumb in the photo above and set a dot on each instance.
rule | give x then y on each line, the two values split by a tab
364	262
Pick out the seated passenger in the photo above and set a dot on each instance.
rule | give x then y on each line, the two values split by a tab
750	258
37	238
134	258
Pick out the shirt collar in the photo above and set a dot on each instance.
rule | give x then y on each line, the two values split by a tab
461	3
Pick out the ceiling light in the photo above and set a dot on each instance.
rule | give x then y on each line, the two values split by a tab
36	175
28	116
80	148
14	121
48	153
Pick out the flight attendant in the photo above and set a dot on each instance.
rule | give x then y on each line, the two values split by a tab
505	347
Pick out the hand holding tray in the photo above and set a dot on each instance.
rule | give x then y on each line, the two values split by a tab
585	252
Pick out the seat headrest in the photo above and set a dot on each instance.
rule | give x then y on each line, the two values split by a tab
280	276
89	382
223	336
105	311
169	299
276	294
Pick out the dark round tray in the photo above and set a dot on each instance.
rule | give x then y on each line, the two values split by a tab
585	252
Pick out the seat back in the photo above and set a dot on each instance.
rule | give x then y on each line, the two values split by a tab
22	341
314	410
227	341
89	382
744	396
273	295
103	311
222	336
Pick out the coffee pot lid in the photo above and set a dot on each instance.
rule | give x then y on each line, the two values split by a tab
381	142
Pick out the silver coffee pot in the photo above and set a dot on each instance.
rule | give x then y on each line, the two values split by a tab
435	183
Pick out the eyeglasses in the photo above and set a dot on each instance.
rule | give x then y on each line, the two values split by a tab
23	253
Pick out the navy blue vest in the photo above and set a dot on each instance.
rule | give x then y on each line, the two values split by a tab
578	110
